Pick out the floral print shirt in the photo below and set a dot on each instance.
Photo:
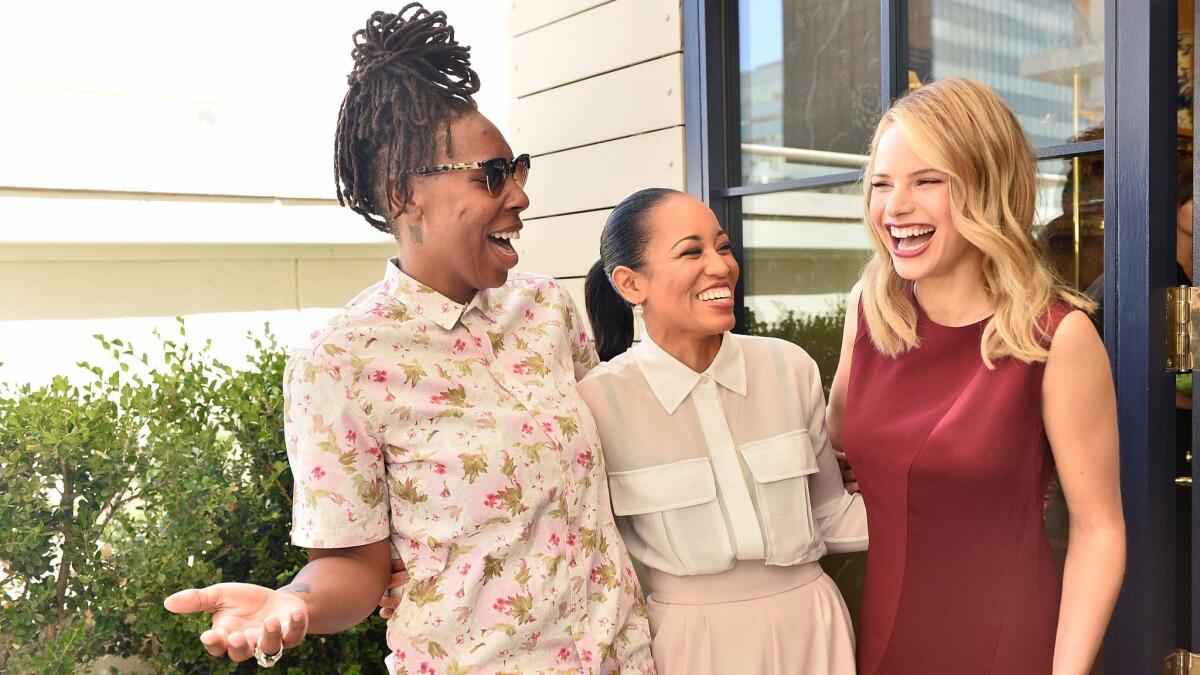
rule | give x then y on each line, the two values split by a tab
458	433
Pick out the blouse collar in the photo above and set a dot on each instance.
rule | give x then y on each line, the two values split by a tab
421	300
672	381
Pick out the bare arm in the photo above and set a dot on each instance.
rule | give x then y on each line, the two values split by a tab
336	589
841	384
841	379
342	586
1080	414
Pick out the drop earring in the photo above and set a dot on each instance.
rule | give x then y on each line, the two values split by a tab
637	323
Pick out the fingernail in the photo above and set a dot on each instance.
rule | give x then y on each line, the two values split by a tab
297	616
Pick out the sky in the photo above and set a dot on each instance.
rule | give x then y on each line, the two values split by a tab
211	98
219	97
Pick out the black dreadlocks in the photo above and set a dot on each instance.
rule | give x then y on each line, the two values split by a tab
410	80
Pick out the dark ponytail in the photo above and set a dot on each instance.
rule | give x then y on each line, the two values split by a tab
622	244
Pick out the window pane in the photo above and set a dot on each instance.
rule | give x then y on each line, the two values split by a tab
810	86
1045	58
803	251
1070	219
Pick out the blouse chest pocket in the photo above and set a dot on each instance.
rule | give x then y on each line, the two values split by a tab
780	467
674	517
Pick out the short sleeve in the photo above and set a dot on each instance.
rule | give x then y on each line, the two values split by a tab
340	497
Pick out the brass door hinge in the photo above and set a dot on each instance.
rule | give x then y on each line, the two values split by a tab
1183	328
1181	662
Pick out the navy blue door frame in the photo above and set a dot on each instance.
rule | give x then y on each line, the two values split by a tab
1139	208
1139	148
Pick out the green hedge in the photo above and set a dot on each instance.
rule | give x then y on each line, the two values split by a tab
177	477
819	334
125	483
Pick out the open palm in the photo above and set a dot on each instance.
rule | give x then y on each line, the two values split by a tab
243	616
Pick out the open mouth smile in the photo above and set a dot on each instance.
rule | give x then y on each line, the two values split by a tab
502	243
909	241
717	296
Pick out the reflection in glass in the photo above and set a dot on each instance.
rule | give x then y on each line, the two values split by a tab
803	250
1045	58
810	86
1070	219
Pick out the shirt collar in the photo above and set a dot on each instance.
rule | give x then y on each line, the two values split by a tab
672	381
421	300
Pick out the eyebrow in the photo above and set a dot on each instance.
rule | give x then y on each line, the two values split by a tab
915	173
690	237
696	237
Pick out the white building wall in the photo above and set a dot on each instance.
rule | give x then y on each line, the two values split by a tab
596	98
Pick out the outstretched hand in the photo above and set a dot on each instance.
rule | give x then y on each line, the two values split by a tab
244	616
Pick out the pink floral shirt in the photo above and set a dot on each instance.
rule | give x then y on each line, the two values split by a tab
457	431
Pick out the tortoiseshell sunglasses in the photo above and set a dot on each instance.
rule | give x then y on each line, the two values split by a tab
495	171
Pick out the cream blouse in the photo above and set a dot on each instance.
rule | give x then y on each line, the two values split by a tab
705	469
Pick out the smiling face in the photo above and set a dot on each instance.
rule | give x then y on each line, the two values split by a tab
686	283
912	214
454	236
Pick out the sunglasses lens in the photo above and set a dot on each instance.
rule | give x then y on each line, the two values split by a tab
495	171
522	169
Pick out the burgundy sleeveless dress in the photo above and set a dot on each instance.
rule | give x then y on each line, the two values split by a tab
953	463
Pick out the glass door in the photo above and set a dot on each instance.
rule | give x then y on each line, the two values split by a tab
780	98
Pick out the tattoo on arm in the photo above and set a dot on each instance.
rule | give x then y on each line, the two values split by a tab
296	588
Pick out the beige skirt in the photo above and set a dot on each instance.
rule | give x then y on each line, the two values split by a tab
752	619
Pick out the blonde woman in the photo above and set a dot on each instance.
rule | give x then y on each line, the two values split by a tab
966	372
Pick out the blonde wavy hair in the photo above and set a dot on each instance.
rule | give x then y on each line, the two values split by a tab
963	129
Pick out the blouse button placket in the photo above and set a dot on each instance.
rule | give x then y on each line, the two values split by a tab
745	532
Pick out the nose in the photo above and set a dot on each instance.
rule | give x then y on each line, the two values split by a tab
899	202
515	197
717	265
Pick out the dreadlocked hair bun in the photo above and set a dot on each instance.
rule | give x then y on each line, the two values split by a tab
411	78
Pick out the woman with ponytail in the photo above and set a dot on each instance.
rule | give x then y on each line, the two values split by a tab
720	472
437	419
967	371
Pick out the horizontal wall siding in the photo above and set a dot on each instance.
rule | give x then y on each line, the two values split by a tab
562	246
524	16
600	176
597	99
625	102
606	38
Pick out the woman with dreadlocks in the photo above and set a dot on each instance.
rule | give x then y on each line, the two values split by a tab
436	419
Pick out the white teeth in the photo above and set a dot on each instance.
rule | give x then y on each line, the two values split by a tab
912	231
515	234
715	294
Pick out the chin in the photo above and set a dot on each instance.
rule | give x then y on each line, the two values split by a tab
495	280
908	271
